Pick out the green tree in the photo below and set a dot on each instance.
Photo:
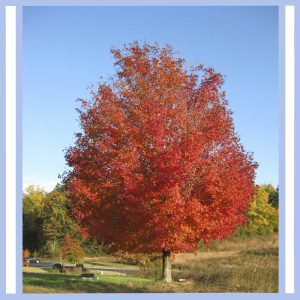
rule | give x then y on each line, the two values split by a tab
269	188
60	187
262	216
57	223
33	203
93	248
274	198
273	194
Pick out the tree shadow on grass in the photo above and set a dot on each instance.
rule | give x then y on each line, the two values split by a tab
74	284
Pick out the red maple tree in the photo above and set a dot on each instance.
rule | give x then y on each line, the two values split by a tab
158	165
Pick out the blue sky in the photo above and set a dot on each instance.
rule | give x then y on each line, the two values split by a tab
65	49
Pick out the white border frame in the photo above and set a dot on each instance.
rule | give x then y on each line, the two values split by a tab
289	147
11	197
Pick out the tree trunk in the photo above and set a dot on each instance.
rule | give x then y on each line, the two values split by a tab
166	274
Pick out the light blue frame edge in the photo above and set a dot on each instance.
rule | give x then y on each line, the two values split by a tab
20	5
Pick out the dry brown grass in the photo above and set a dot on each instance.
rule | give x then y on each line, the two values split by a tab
227	248
251	267
182	258
236	244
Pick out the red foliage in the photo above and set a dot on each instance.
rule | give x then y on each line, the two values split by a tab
71	249
158	165
26	253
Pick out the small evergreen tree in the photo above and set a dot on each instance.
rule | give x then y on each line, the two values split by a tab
274	198
71	250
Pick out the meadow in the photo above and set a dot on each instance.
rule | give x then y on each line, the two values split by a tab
232	265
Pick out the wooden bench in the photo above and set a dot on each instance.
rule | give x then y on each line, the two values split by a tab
88	276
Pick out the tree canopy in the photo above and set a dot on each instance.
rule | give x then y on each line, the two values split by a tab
158	165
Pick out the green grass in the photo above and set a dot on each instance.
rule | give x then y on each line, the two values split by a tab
249	265
59	283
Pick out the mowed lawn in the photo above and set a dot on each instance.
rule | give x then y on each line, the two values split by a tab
249	265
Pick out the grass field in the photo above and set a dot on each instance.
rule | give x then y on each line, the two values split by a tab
249	265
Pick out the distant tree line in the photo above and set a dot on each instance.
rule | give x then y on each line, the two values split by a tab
49	228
